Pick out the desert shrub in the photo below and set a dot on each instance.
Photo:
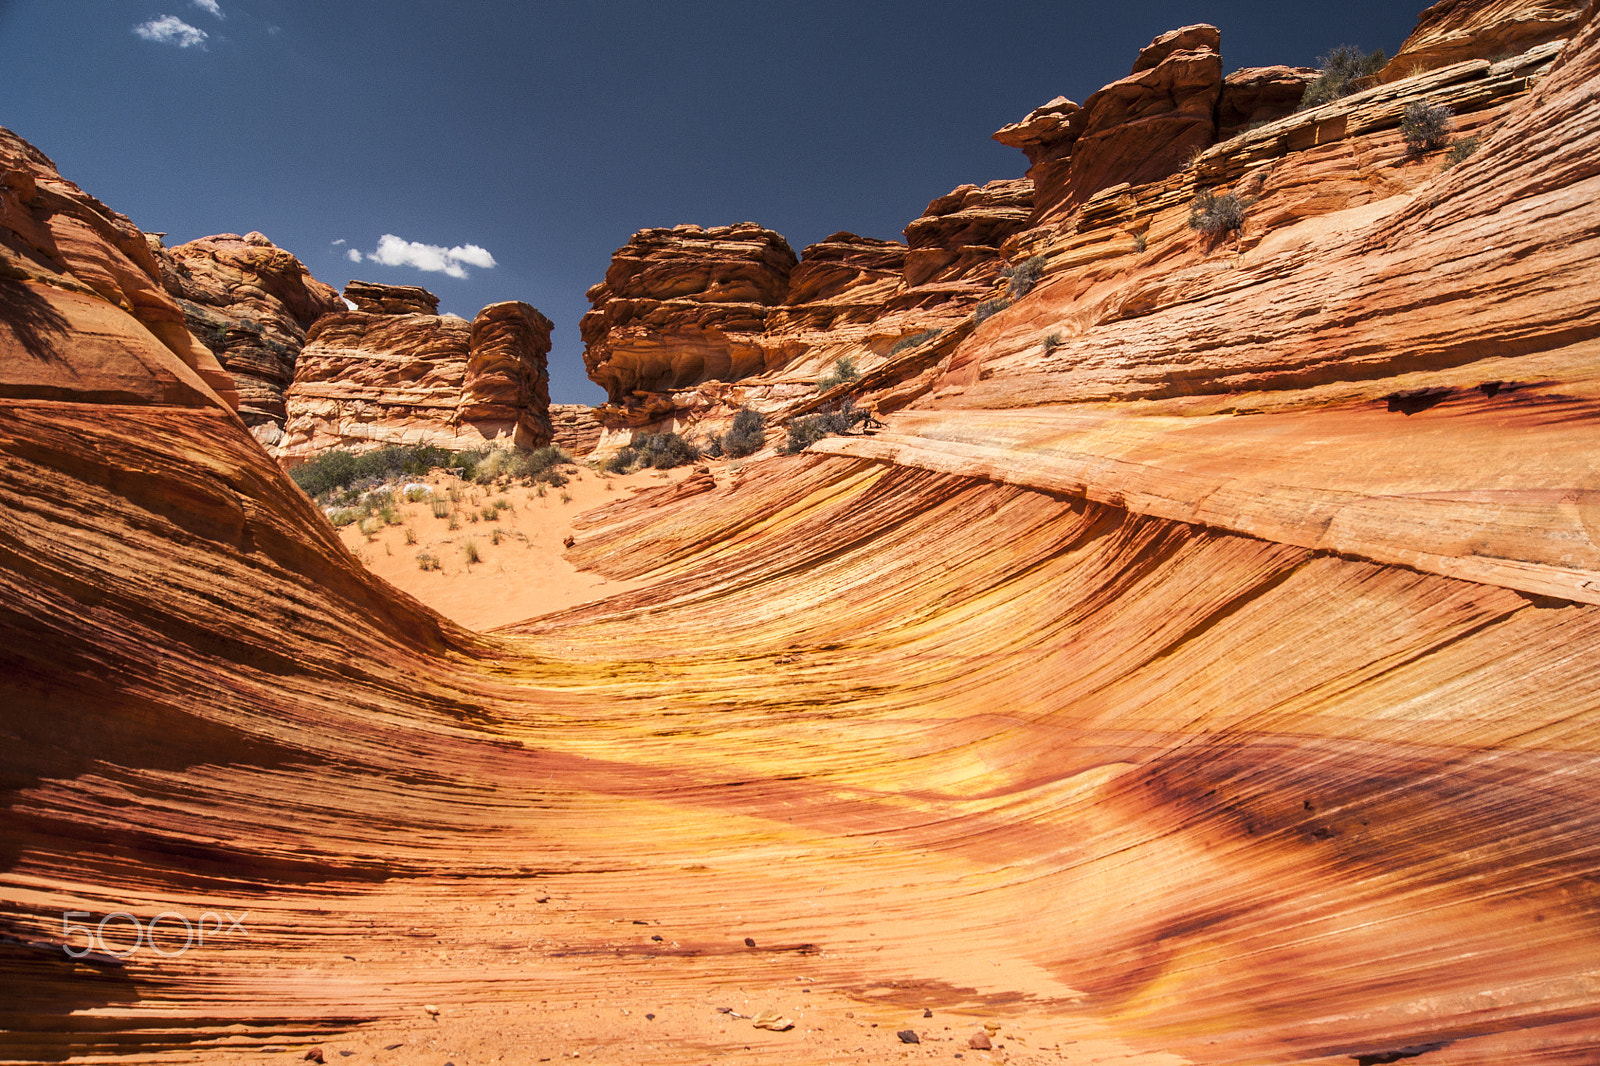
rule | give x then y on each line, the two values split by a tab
539	464
746	436
1460	152
1343	71
470	548
417	493
427	561
502	505
1425	126
369	525
340	468
441	508
1141	241
660	450
913	340
343	516
490	514
1022	277
325	472
808	429
1051	343
1215	215
989	308
411	535
844	371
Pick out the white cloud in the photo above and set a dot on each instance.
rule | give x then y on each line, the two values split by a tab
353	255
210	7
170	29
434	258
338	242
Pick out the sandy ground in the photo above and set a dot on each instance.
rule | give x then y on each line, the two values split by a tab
522	570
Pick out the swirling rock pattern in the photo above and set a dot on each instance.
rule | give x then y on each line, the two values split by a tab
1139	697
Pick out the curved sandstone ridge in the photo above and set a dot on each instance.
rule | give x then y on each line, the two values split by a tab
69	265
1218	684
394	372
251	303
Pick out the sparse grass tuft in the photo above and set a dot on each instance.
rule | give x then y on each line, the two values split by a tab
913	340
470	548
427	561
989	308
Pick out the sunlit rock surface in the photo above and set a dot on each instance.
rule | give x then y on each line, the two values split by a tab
1456	30
1219	683
72	265
395	372
250	302
691	324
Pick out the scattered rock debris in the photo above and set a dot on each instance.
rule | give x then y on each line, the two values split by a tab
909	1036
980	1042
769	1020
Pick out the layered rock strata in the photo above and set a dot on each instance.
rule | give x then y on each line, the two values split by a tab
574	428
394	372
1140	129
692	324
71	266
1219	684
250	302
1454	31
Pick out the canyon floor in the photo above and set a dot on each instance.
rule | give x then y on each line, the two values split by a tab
523	572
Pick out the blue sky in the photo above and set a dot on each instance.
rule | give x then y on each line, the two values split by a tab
506	149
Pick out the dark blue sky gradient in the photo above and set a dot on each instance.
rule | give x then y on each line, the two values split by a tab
548	132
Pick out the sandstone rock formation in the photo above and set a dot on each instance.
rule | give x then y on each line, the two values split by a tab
1219	684
250	302
1133	131
574	428
691	324
1256	95
394	372
1456	30
71	265
684	305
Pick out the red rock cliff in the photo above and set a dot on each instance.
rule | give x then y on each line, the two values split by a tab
395	372
250	302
